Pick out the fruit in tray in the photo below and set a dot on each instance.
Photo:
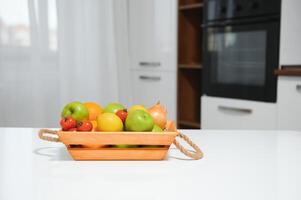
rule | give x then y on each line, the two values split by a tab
157	128
109	122
122	114
90	116
139	120
68	123
137	107
113	108
76	110
159	113
94	110
84	126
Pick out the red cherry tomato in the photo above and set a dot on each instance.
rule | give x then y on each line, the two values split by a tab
84	126
72	129
68	123
122	114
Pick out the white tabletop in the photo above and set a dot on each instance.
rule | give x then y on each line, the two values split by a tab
248	165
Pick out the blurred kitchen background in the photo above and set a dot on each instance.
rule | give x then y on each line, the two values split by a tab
215	64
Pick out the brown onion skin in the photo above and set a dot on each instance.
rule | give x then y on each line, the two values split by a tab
159	115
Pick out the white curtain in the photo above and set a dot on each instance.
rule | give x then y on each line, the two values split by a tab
53	52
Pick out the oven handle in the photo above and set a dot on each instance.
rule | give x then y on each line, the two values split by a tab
240	22
235	109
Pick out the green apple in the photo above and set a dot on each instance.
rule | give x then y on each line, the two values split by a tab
157	128
113	108
139	120
77	110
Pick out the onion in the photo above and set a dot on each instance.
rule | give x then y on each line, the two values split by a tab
158	113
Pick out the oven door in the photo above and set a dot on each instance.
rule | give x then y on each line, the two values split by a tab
240	58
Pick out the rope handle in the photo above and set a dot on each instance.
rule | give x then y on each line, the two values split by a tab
198	154
49	135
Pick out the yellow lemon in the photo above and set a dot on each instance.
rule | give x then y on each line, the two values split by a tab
137	107
109	122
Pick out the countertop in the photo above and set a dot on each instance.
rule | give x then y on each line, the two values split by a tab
248	165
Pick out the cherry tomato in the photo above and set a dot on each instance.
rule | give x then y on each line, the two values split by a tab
68	123
84	126
122	114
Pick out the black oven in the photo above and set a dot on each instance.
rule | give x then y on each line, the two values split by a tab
241	49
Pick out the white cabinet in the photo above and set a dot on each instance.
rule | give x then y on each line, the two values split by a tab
223	113
152	34
290	36
289	87
150	87
289	103
153	52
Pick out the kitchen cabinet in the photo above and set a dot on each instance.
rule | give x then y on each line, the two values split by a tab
153	52
289	103
152	34
150	87
290	40
289	79
224	113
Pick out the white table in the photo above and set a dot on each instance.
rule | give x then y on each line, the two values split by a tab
238	165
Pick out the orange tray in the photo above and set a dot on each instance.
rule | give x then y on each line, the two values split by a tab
102	145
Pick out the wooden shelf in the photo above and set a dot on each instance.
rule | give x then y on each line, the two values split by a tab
189	94
191	6
190	66
189	2
189	124
190	37
189	63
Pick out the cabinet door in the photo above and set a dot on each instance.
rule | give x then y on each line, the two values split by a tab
223	113
289	103
290	40
152	32
151	87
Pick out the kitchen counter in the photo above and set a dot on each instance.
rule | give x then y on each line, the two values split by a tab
248	165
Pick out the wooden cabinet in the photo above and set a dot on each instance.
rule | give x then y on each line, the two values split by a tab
152	34
189	62
150	87
290	37
289	103
223	113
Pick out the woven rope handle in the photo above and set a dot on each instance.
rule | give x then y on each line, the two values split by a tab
198	154
49	135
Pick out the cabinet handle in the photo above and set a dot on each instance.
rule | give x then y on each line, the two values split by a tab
149	64
150	78
298	87
235	109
